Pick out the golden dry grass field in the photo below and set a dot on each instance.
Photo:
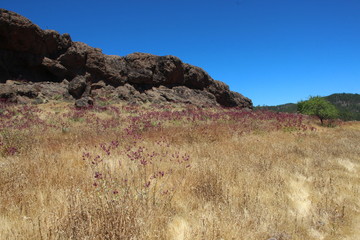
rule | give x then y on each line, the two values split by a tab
162	172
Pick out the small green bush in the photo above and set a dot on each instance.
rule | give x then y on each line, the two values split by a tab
319	107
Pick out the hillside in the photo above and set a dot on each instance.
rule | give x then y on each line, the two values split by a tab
288	107
348	105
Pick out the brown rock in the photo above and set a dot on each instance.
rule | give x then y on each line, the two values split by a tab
77	86
17	92
195	77
148	69
55	91
56	44
116	70
74	59
98	85
126	92
54	67
6	91
227	98
31	54
182	94
84	102
17	33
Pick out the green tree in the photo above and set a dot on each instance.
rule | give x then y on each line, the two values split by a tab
319	107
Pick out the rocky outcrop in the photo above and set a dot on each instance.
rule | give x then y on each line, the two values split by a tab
34	92
44	60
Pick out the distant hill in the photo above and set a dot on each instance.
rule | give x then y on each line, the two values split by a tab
348	105
288	107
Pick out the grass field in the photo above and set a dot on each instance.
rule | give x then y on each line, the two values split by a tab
163	172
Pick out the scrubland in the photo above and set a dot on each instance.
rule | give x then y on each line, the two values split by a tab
165	172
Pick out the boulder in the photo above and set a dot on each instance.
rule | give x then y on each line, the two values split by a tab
84	102
6	92
148	69
126	92
15	91
195	77
116	70
54	67
77	86
228	98
74	59
54	91
181	94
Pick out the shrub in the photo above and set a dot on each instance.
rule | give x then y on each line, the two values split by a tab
319	107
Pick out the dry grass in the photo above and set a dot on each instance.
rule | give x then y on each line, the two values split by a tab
186	180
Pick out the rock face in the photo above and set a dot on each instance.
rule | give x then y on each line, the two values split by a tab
43	62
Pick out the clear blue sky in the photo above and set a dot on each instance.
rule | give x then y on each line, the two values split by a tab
272	51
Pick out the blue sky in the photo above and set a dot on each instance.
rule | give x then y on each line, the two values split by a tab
272	51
